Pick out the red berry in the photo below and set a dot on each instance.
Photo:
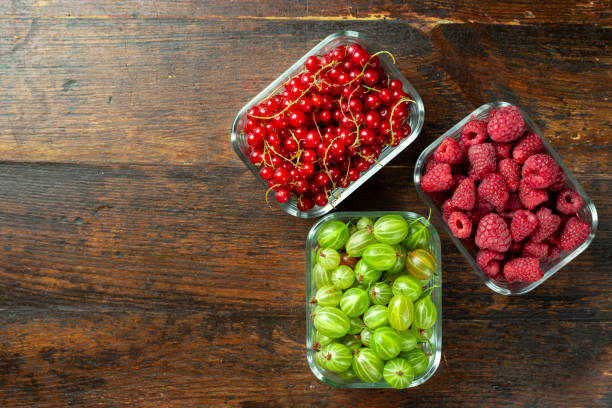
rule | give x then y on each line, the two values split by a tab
322	179
511	172
307	169
305	203
559	182
483	159
301	186
505	124
312	63
574	233
320	199
539	171
531	197
493	233
281	176
385	96
282	195
523	224
525	269
297	119
569	202
439	178
372	119
367	136
449	152
360	56
493	189
370	77
474	132
460	224
488	261
266	172
527	146
548	223
395	85
372	101
464	196
502	150
537	250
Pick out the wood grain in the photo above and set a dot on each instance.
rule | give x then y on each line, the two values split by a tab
140	264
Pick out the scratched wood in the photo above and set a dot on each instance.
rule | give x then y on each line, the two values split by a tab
141	265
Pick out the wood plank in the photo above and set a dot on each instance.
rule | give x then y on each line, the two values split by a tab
137	91
490	11
175	359
190	238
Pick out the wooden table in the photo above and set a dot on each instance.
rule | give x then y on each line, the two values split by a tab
140	264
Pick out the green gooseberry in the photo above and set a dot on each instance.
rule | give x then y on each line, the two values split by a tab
365	223
356	325
380	293
359	241
401	312
391	229
425	313
418	237
421	264
408	286
385	342
408	340
331	322
328	258
321	276
417	359
367	365
365	273
349	374
351	342
376	316
380	256
399	373
322	340
422	335
328	295
342	277
354	302
333	234
365	336
336	357
400	260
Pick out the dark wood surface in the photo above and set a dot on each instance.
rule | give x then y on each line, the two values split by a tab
140	265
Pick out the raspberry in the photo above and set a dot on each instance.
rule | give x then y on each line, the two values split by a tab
430	163
523	224
569	202
531	197
474	132
460	224
449	152
574	233
553	252
511	172
547	224
505	124
502	150
559	182
493	233
535	249
528	145
447	209
481	208
482	158
513	203
464	196
439	178
488	261
539	171
493	189
525	269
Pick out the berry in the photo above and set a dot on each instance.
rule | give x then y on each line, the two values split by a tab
548	223
449	152
430	163
569	202
493	189
460	224
493	233
502	150
481	208
526	146
505	124
439	178
511	172
536	249
559	182
282	195
574	233
447	209
488	261
513	203
464	196
553	252
523	224
482	158
525	269
539	171
531	197
474	132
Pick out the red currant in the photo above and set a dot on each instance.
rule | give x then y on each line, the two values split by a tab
372	101
312	63
282	195
281	176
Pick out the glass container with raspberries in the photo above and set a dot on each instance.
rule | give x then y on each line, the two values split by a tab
506	199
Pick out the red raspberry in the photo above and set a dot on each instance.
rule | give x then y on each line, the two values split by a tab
481	208
464	196
474	132
513	203
482	158
449	152
506	124
493	189
559	182
574	233
430	163
460	224
447	209
535	249
502	150
553	252
569	202
511	172
539	171
531	197
488	261
525	269
523	224
528	145
493	233
439	178
548	223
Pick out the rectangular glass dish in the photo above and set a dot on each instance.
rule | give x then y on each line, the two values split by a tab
415	120
587	213
436	339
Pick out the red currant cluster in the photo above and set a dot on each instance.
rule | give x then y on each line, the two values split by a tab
326	125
